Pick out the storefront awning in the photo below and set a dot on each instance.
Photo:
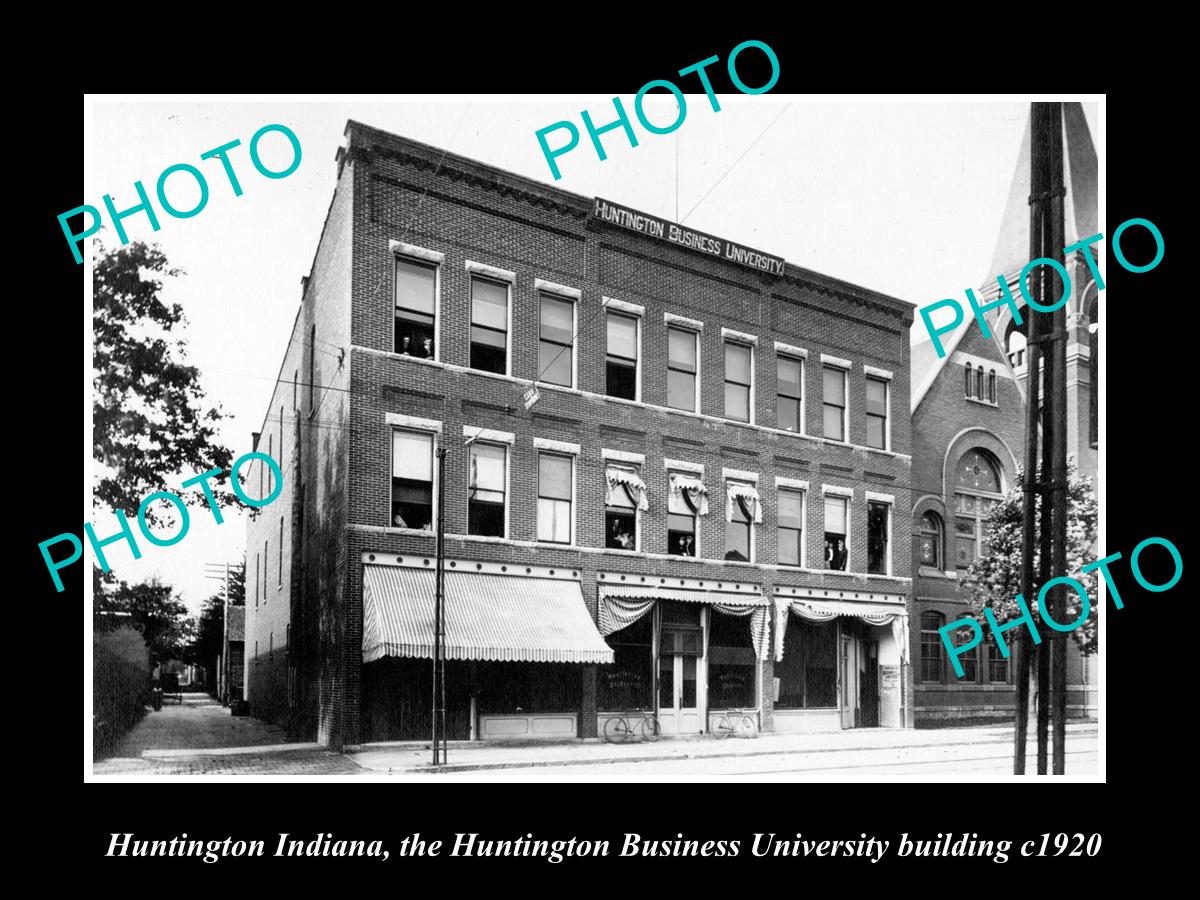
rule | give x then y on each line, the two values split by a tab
874	612
621	605
488	617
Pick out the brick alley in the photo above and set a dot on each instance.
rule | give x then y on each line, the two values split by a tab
200	737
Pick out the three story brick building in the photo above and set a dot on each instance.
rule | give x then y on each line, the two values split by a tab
676	475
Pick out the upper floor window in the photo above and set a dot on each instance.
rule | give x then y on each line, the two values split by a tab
622	356
556	352
992	385
555	491
977	491
741	512
931	646
837	534
930	529
997	665
681	369
416	307
789	378
791	527
878	525
738	369
877	413
489	325
979	395
687	500
969	660
970	380
412	479
488	486
835	403
625	494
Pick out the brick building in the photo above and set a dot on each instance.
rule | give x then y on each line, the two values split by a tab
968	427
705	506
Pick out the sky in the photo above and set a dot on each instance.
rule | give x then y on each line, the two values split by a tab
905	198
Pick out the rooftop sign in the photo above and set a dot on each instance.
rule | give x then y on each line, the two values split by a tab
685	237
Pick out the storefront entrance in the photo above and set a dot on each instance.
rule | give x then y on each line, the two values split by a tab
858	675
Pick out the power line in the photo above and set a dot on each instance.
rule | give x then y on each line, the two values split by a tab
735	162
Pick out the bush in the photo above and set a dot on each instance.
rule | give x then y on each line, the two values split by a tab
119	695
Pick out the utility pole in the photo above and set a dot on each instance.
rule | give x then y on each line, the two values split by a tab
1046	407
439	621
1058	428
220	572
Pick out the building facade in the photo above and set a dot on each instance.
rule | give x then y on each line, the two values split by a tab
676	472
968	426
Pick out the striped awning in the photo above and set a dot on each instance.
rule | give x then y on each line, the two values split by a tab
488	617
657	592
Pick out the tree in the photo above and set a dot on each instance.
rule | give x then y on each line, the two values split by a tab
994	578
153	608
208	642
149	413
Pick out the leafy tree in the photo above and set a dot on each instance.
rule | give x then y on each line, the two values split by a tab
153	608
994	579
149	412
208	641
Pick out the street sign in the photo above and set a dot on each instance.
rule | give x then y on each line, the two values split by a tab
532	396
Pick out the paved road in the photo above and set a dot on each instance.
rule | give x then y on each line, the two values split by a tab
962	763
200	737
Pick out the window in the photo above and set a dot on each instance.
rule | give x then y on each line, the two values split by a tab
681	369
622	499
970	383
295	384
412	479
629	682
808	671
738	367
312	368
489	326
931	646
977	491
742	500
992	385
554	497
930	530
791	527
877	413
416	302
622	357
979	395
257	562
485	504
878	516
683	505
789	380
266	564
281	551
835	403
969	660
731	662
997	665
837	547
556	364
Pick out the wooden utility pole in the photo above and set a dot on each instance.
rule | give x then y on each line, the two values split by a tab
439	621
1057	363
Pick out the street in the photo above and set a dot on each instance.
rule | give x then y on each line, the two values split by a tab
200	737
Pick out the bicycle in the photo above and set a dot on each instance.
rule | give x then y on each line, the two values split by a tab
624	727
741	722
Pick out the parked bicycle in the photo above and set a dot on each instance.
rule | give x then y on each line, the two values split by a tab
742	722
631	726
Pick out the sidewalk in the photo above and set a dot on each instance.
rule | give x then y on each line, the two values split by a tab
414	756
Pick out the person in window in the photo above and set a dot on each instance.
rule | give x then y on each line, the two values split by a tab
400	523
685	546
621	537
405	346
427	348
828	553
839	555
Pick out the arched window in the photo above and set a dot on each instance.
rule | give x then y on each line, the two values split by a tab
970	383
930	530
992	385
979	395
1093	368
931	646
977	489
1017	344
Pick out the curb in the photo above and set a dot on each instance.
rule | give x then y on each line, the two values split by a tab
477	767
